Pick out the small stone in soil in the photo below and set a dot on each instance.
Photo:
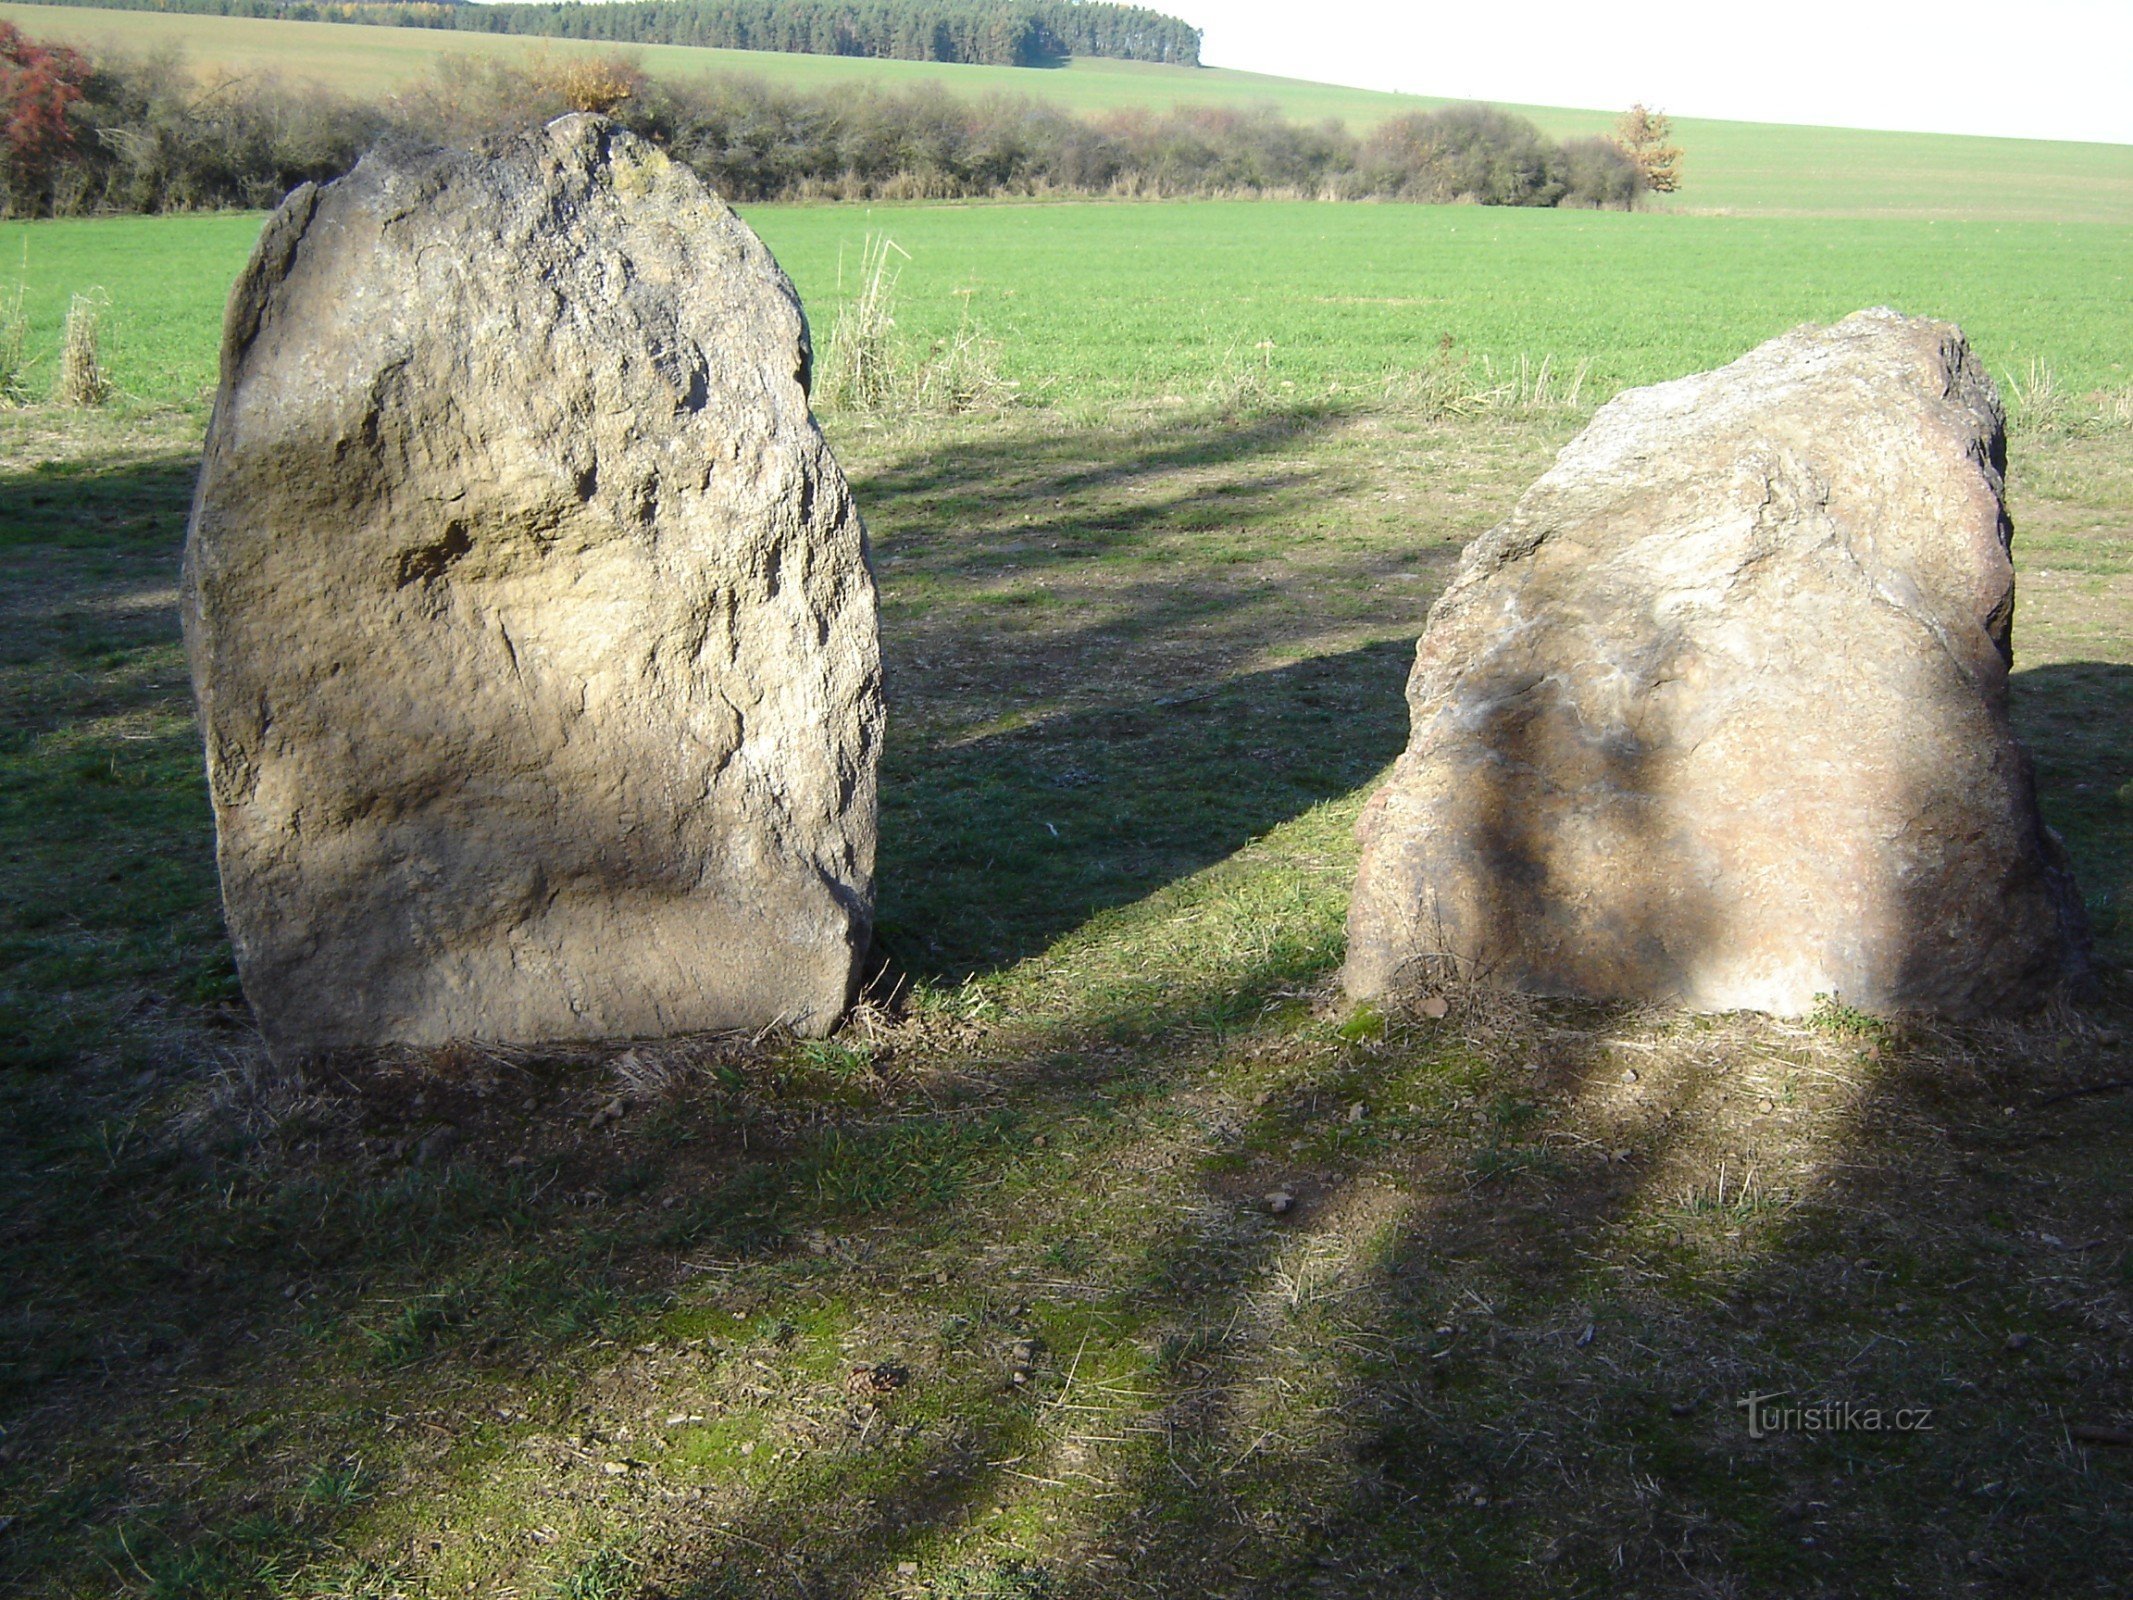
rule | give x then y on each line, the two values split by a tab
436	1145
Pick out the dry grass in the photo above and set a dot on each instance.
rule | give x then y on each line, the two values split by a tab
1458	386
14	347
861	368
962	373
2038	404
82	381
869	369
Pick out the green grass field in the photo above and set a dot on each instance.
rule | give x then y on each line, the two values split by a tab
1734	167
1096	302
983	1299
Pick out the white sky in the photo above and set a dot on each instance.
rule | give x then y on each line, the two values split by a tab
2040	69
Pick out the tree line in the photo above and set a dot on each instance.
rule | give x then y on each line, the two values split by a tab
1007	33
135	135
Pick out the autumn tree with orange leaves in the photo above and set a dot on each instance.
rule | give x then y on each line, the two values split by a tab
1646	137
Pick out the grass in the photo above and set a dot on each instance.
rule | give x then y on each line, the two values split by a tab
1094	303
167	279
567	1324
273	1347
1733	167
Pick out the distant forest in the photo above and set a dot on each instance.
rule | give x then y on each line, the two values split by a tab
1006	33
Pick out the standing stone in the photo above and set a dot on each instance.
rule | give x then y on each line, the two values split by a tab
1718	716
530	619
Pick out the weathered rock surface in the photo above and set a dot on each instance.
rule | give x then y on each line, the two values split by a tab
1718	715
530	619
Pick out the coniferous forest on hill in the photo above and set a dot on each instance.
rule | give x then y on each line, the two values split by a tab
1007	33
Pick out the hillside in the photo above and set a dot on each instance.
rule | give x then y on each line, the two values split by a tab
1008	33
1733	167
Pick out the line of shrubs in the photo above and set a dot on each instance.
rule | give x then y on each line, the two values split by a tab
145	135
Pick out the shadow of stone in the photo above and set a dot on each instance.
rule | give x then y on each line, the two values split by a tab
107	887
1057	470
913	1500
1459	1424
119	508
2077	719
203	1243
1530	842
992	848
1516	1397
1572	883
1022	564
1380	1499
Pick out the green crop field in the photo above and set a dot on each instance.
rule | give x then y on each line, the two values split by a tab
1098	302
985	1298
1735	167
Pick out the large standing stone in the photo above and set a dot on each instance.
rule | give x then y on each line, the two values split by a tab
1719	714
529	616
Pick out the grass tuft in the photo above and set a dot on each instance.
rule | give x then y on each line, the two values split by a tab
870	369
605	1574
2039	405
2034	399
863	367
962	372
1460	385
14	347
83	383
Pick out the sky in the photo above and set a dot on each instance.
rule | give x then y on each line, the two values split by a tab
2036	69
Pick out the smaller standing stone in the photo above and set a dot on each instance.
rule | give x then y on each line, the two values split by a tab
1718	715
